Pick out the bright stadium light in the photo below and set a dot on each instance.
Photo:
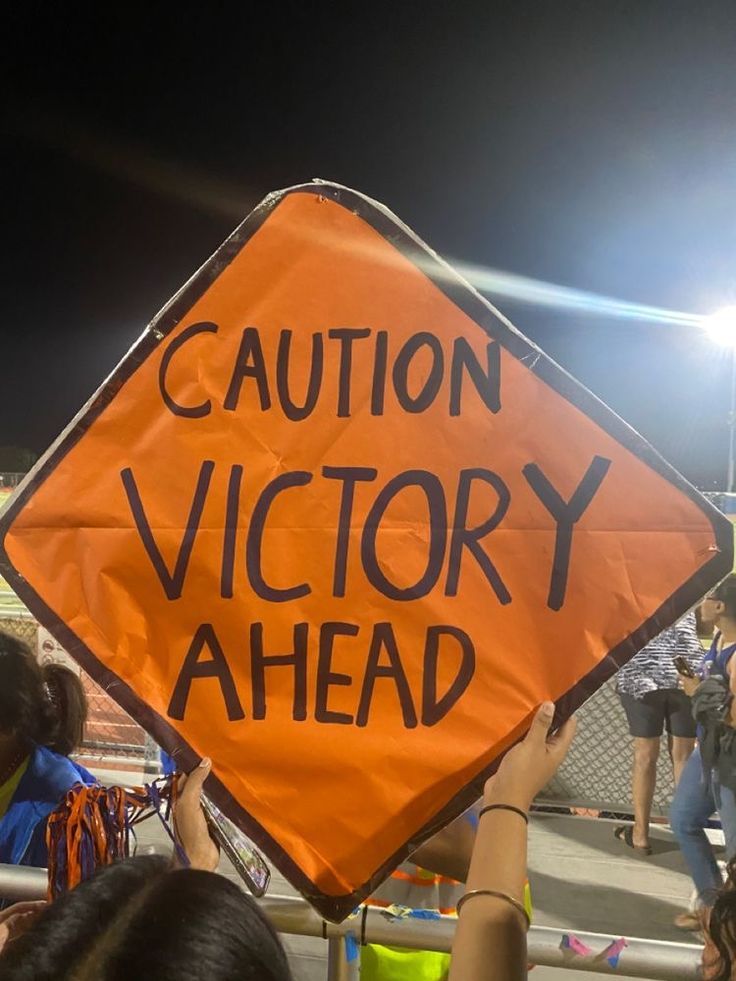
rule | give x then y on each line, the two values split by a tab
721	326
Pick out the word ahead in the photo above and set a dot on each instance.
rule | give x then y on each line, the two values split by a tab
382	645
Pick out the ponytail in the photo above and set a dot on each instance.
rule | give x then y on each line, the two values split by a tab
66	709
39	704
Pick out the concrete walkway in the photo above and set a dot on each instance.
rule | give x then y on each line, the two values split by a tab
583	879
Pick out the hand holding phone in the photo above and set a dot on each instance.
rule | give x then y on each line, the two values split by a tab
190	823
683	667
241	851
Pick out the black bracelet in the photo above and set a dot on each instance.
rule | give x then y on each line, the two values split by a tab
504	807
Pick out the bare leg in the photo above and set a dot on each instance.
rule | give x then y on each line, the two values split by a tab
644	780
680	750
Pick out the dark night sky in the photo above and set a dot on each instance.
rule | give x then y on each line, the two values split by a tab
591	144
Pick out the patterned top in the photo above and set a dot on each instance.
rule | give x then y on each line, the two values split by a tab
652	668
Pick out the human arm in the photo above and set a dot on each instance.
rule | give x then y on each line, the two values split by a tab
448	852
190	822
731	672
490	940
688	685
689	649
688	643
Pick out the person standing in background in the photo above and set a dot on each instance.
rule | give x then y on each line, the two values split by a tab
709	781
648	687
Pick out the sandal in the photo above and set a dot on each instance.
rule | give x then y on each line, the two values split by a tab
691	921
625	833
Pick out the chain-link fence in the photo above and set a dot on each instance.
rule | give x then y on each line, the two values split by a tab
597	771
24	627
110	731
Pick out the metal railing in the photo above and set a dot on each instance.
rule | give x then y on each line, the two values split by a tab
651	959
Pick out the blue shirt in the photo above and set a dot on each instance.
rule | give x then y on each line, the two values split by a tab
40	791
716	661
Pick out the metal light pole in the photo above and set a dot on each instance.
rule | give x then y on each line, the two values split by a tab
721	327
731	423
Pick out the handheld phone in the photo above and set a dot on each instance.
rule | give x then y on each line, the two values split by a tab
241	851
683	667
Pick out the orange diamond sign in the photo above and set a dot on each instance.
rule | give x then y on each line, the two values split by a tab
336	524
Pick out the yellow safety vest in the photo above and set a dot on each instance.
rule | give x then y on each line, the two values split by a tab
412	887
416	888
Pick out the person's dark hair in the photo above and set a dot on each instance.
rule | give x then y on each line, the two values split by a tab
726	593
141	919
42	704
722	926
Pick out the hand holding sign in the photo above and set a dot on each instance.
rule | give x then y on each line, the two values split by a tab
190	822
338	526
530	765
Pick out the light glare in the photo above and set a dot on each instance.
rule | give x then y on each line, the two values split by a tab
721	327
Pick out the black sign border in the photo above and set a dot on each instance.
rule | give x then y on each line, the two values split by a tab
336	908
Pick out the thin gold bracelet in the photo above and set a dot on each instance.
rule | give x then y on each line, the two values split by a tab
519	907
